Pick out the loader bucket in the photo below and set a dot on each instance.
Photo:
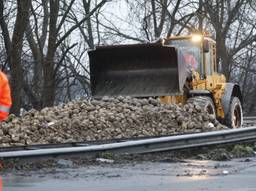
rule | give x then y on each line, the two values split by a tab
140	70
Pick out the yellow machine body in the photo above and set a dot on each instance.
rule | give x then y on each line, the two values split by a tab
213	81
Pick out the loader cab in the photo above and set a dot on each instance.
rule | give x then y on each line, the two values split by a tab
189	52
197	51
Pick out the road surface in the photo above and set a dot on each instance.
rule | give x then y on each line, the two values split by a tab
192	175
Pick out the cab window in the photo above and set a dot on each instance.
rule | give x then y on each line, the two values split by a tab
190	52
208	60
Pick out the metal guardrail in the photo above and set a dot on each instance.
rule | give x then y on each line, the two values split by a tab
147	145
249	120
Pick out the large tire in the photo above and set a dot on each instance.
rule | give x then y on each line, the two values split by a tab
234	117
205	103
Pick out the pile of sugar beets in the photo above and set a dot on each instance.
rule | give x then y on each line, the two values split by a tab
108	118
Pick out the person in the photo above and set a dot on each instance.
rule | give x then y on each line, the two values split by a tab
191	60
5	97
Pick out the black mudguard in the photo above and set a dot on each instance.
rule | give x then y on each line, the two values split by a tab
231	90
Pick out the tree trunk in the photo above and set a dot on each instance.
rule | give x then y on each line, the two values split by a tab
22	19
48	95
5	32
222	55
89	24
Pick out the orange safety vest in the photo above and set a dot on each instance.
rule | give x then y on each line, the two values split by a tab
1	183
5	97
190	59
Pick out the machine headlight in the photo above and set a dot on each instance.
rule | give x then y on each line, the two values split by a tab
197	38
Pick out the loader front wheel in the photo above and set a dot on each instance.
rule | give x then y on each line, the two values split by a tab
234	118
205	103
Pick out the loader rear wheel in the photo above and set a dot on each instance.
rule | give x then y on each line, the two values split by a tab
234	118
205	103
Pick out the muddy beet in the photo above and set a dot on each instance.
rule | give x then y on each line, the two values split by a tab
108	118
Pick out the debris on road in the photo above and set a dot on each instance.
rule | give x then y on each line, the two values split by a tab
225	172
104	160
65	163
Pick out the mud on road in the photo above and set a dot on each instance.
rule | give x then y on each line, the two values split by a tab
179	170
193	175
221	153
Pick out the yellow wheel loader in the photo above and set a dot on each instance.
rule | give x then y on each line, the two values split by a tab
178	69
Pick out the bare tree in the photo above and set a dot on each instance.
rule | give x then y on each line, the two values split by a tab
13	48
151	20
56	14
227	18
36	38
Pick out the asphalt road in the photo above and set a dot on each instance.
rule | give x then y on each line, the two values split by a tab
236	175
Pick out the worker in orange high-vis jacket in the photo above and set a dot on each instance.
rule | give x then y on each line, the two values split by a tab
5	97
